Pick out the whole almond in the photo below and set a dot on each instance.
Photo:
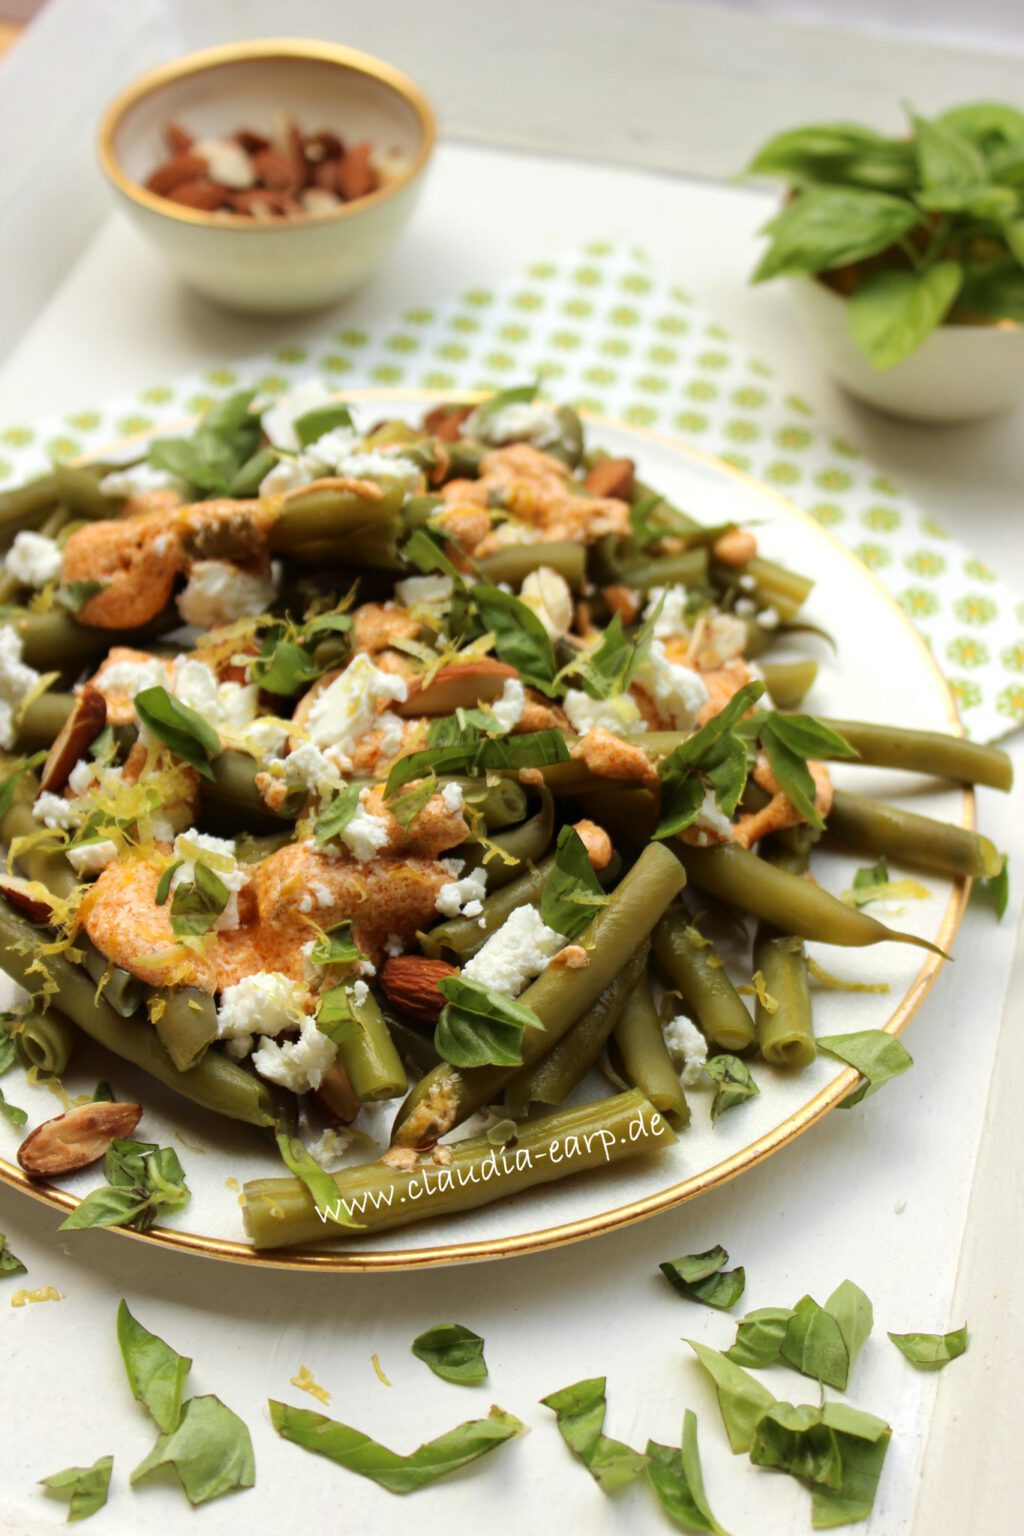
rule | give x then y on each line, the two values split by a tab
325	175
175	172
250	140
355	173
445	421
611	477
179	140
75	1140
276	170
76	736
27	896
202	193
410	984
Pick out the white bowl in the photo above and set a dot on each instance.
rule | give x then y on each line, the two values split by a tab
960	372
270	265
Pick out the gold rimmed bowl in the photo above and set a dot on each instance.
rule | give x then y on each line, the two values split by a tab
271	264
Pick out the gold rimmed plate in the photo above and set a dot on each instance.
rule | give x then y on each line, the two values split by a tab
882	671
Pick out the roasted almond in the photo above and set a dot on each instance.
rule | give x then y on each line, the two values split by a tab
75	1140
355	173
75	737
611	477
277	170
445	421
251	141
179	140
202	193
27	896
176	172
410	984
460	686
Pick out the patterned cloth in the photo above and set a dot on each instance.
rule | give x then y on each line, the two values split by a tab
602	329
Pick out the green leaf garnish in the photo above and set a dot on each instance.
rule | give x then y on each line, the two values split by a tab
179	728
677	1479
337	814
602	671
452	1352
580	1411
143	1180
209	461
8	1049
839	1451
520	639
479	1027
759	1337
163	885
83	1488
156	1372
931	1351
877	1056
198	903
789	741
336	1016
73	595
11	1113
9	783
997	888
336	946
572	892
533	750
9	1264
713	757
733	1081
284	666
103	1093
741	1398
312	425
407	806
820	1342
210	1450
351	1449
702	1277
317	1181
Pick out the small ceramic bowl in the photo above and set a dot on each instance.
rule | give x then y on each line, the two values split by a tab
266	264
959	373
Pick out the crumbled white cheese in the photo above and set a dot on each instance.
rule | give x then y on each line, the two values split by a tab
280	416
768	618
392	735
726	637
219	592
522	421
54	811
359	992
190	847
347	708
688	1049
82	776
618	714
744	607
90	858
33	559
669	603
550	597
678	692
265	738
17	679
517	952
711	818
393	945
424	591
306	765
329	1148
452	797
137	480
746	582
131	676
264	1003
463	897
226	162
227	706
298	1064
508	710
340	452
366	834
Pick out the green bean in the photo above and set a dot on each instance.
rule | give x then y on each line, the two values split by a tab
569	446
677	522
331	652
279	1213
251	847
558	997
782	1010
186	1025
324	521
794	905
501	802
417	510
47	865
887	831
692	966
416	1050
688	569
555	1076
25	506
646	1063
216	1083
369	1059
517	561
41	723
459	938
56	641
44	1041
789	682
931	752
123	991
524	844
231	799
784	590
78	487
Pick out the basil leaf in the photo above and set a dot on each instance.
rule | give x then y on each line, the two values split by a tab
312	425
73	595
124	1163
877	1056
424	548
997	888
165	1181
837	152
808	736
814	1345
891	313
735	1085
602	670
712	752
871	876
186	734
518	394
854	1313
351	1449
198	903
452	1352
759	1337
520	639
946	157
337	815
792	776
142	1180
107	1207
336	946
156	1372
838	1450
742	1400
84	1488
533	750
317	1181
210	1449
9	1264
572	892
103	1093
677	1479
827	227
931	1351
9	784
479	1027
335	1016
994	289
8	1049
406	807
989	124
225	440
249	475
701	1277
163	886
283	667
580	1411
11	1113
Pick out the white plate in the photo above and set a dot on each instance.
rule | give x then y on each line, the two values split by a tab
882	671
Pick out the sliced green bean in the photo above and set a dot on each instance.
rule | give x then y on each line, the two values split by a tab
696	971
417	510
325	521
78	487
558	997
369	1059
459	938
931	752
789	682
465	456
186	1025
501	802
886	831
232	801
252	847
57	642
517	561
44	1041
687	569
782	1010
279	1213
784	590
47	865
123	991
646	1064
42	721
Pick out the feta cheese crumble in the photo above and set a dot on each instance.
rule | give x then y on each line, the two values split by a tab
550	597
56	812
452	797
678	693
508	710
671	620
306	765
264	1003
33	559
517	952
219	592
688	1049
424	591
462	897
17	680
528	421
137	480
366	834
91	858
297	1064
618	714
347	708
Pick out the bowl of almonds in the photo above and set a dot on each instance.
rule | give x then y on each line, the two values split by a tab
273	175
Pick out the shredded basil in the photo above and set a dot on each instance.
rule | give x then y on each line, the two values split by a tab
580	1412
478	1027
180	729
452	1352
703	1277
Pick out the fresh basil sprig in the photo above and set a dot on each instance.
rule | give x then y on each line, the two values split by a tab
216	460
452	1352
9	783
580	1412
535	749
143	1180
312	425
931	1351
198	903
714	758
789	741
572	892
186	733
478	1027
520	639
703	1277
734	1084
83	1488
676	1476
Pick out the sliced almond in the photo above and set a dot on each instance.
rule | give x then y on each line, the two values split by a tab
76	736
611	477
460	686
410	984
75	1140
28	896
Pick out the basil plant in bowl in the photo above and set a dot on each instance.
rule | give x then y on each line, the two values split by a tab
906	257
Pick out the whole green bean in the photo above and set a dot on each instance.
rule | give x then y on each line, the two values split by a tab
931	752
25	506
696	971
325	520
78	486
216	1083
251	847
501	802
123	991
646	1064
558	997
524	844
56	641
186	1025
780	588
369	1059
47	865
44	1040
458	939
231	800
688	569
794	905
280	1213
887	831
417	510
517	561
789	682
41	723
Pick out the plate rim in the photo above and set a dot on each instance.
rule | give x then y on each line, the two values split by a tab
356	1260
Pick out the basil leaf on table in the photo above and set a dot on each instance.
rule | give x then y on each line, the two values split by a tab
734	1084
452	1352
759	1337
838	1450
180	729
741	1398
827	227
83	1488
814	1345
891	313
210	1449
677	1479
572	892
479	1027
198	903
580	1411
931	1351
351	1449
317	1180
702	1277
878	1057
156	1372
11	1113
9	1263
520	639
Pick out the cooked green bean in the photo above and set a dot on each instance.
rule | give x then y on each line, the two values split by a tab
555	1076
232	801
415	1049
688	569
123	991
887	831
458	939
41	723
464	458
931	752
279	1213
785	1030
696	971
251	847
369	1059
646	1064
558	997
25	506
417	510
44	1041
216	1083
789	682
517	561
501	802
56	641
523	844
78	487
784	590
794	905
186	1025
324	521
47	865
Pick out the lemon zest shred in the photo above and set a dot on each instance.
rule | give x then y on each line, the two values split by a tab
379	1370
307	1382
837	984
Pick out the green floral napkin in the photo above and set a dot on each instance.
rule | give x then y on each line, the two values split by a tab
603	329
